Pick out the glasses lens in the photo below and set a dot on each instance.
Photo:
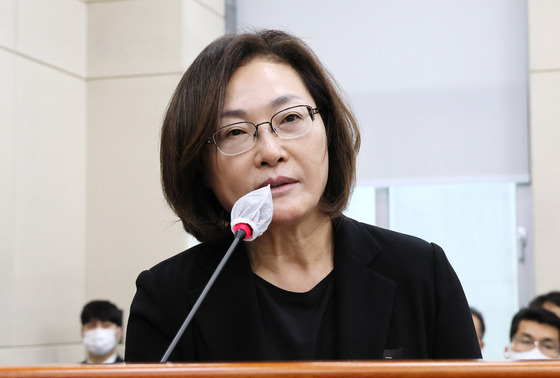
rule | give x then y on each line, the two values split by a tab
292	122
550	349
235	139
523	344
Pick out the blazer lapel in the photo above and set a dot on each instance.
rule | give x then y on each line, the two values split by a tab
364	298
228	316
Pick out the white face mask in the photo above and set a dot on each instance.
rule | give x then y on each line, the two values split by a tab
533	354
100	341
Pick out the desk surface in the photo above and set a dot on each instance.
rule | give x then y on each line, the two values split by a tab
410	369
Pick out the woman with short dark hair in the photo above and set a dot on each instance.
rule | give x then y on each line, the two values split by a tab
259	109
194	112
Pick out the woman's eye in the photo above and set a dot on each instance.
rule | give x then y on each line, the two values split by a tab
548	346
292	118
234	132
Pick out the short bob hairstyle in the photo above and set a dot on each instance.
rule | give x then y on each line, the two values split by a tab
193	113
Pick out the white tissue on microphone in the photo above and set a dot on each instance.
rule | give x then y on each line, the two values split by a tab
255	209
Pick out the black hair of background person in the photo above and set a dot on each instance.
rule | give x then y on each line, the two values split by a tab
536	314
102	310
552	296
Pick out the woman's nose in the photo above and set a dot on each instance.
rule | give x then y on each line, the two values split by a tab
269	146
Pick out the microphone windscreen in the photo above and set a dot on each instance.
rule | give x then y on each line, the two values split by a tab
254	209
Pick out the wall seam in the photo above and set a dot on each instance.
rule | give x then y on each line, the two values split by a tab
42	63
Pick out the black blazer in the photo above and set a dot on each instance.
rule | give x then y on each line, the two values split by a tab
396	296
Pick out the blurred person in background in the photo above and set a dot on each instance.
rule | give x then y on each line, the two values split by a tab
479	326
101	332
534	335
549	301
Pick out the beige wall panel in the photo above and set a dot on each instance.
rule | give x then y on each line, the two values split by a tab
41	355
545	139
50	205
202	24
134	37
129	226
53	32
48	354
544	29
7	193
8	23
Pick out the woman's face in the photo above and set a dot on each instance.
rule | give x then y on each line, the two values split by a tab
296	169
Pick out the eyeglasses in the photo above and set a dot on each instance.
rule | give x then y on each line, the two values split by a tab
549	348
290	123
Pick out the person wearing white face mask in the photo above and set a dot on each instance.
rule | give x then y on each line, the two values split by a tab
101	332
534	335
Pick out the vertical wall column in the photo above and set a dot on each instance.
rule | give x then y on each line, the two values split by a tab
42	178
84	85
137	52
544	29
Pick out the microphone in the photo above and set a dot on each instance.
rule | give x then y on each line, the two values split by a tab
250	217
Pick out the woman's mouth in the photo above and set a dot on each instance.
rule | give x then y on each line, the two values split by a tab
280	185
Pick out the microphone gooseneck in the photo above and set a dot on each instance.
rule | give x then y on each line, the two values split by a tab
250	217
240	234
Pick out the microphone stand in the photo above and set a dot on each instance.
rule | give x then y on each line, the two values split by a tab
240	234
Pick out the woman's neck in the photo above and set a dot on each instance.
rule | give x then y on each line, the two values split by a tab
294	257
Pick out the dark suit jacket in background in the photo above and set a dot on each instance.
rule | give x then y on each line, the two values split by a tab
396	296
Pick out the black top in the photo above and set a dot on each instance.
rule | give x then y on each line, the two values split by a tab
395	296
297	326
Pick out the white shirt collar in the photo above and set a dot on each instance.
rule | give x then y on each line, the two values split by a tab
110	360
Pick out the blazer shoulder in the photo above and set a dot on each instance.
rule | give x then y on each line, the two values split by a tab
390	251
191	266
386	238
185	257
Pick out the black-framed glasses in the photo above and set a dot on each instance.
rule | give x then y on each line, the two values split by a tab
548	347
239	137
